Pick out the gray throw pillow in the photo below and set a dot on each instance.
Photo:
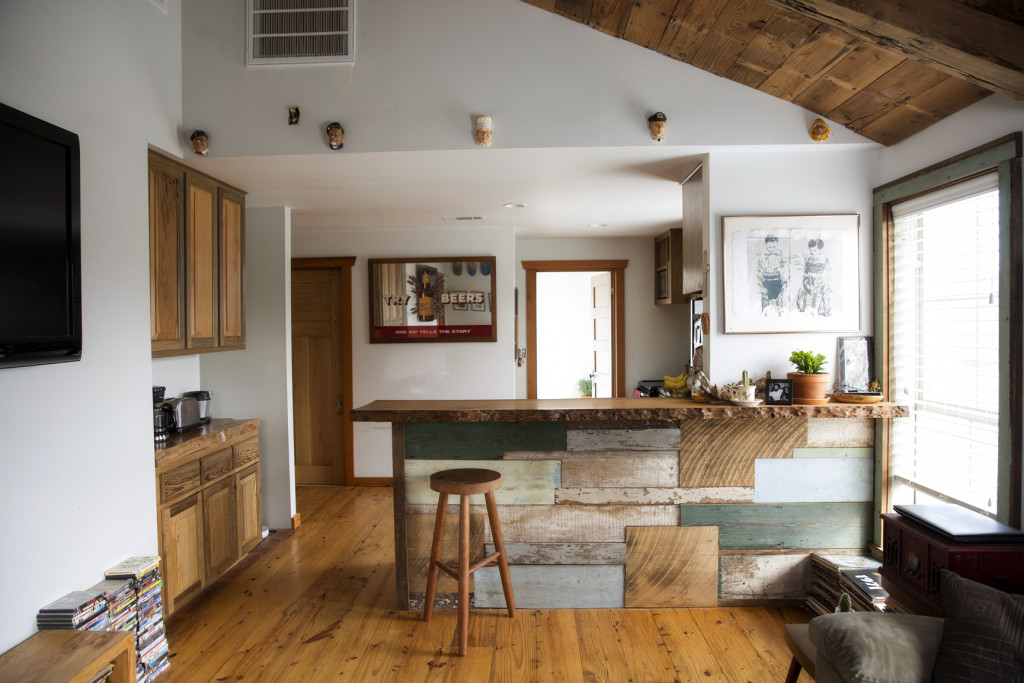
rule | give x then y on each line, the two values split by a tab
982	635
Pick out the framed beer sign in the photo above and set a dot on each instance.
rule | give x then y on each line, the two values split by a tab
448	299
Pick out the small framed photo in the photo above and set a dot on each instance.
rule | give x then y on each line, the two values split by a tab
481	304
460	297
779	392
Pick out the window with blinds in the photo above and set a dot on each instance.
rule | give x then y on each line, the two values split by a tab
945	345
300	31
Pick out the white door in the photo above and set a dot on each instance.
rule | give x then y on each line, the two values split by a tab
601	314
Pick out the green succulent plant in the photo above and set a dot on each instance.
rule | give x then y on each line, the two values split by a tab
746	379
807	362
844	603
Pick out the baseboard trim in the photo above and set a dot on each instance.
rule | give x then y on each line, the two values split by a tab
296	521
372	481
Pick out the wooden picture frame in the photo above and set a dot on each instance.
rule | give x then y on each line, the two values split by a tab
432	299
791	273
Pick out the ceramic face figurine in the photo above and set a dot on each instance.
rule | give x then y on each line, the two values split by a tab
820	131
200	142
656	122
293	116
483	131
335	135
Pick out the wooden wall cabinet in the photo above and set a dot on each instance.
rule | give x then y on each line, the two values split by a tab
197	243
679	252
209	505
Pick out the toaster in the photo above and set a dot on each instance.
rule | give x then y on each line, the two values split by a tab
186	413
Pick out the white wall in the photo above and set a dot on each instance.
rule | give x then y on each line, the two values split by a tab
257	382
76	472
464	370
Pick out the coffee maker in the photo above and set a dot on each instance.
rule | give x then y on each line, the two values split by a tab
163	415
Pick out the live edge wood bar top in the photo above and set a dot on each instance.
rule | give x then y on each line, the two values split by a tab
180	447
604	410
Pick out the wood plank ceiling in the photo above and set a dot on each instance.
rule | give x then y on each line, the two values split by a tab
885	69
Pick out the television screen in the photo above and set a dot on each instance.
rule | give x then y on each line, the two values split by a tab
40	298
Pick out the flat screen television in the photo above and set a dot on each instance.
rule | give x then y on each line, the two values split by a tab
40	253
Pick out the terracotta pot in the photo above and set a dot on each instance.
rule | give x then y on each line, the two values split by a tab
810	389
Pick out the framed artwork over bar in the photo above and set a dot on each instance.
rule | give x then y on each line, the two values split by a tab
791	273
432	299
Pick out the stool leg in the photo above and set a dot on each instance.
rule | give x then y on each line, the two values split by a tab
435	555
463	574
499	546
794	671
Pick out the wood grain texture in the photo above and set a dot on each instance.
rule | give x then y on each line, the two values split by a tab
524	482
622	439
580	523
563	553
654	496
70	656
671	567
657	469
814	480
553	586
764	577
785	525
420	530
834	433
722	452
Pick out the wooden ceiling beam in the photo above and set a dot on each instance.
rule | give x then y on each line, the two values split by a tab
952	37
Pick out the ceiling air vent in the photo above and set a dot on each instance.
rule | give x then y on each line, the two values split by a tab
463	218
300	31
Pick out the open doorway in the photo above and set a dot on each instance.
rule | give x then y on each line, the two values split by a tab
575	327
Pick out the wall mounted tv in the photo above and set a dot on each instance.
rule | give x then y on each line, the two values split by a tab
40	254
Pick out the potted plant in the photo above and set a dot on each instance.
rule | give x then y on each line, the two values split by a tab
586	387
809	383
747	390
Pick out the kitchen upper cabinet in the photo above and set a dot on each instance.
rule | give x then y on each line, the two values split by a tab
197	241
679	253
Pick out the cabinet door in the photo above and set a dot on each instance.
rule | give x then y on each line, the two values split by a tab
220	527
166	255
250	516
232	268
181	541
201	276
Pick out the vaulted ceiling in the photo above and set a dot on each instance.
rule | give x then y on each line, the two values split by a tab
885	69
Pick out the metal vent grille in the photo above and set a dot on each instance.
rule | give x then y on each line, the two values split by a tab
300	31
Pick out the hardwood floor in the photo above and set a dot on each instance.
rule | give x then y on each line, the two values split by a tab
317	604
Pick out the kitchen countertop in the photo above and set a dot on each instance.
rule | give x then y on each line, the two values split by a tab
604	410
180	445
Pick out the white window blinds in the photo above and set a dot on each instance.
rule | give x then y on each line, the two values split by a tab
945	345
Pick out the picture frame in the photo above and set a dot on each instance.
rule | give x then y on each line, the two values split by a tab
420	299
854	365
778	392
791	273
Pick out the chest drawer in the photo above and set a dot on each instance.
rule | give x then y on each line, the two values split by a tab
217	465
178	481
247	451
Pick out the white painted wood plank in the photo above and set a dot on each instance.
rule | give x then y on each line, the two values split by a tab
764	577
629	439
852	452
562	553
526	482
579	523
659	468
654	496
832	432
814	480
553	586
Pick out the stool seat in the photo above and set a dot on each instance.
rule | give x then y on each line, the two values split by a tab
464	483
468	481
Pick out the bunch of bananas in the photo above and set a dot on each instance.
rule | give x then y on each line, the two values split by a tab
675	384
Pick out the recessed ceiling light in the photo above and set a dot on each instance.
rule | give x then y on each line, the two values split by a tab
514	205
599	225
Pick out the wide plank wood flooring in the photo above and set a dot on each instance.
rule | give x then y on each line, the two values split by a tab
317	604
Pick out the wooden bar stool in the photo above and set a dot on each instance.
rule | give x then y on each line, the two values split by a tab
464	483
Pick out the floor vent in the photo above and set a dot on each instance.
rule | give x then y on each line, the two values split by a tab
300	31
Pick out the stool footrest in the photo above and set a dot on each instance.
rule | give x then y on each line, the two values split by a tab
454	573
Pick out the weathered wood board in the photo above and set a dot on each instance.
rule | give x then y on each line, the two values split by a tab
671	567
840	432
480	440
838	452
552	586
579	523
420	530
764	577
654	496
722	452
522	482
784	525
814	480
562	553
658	468
622	439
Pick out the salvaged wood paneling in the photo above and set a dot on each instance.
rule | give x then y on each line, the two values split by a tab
830	432
654	496
838	452
522	482
785	525
671	567
722	452
817	480
580	523
658	468
764	577
552	586
420	530
808	62
480	441
647	22
562	553
621	439
782	34
737	25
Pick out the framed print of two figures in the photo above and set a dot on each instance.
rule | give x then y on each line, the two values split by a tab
791	273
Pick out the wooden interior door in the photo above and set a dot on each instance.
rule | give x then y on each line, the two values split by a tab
601	314
322	370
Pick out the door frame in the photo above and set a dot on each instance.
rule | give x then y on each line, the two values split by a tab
345	263
617	268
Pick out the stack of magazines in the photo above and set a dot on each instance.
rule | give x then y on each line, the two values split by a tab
143	574
828	581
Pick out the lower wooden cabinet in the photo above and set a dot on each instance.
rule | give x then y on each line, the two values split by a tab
209	510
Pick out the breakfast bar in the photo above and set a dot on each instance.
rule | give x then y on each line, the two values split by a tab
637	502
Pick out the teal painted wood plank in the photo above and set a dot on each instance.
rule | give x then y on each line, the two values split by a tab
523	482
840	452
552	586
785	525
480	440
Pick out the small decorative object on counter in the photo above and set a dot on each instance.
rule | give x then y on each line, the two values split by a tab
748	390
200	142
335	135
810	383
484	131
656	122
677	386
